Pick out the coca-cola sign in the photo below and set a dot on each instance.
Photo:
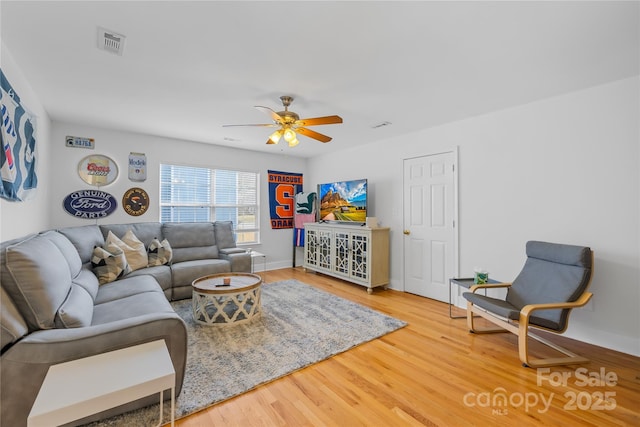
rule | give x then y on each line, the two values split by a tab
90	204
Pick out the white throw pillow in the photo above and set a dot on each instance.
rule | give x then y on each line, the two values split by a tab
132	247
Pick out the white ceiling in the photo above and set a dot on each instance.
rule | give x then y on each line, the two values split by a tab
190	67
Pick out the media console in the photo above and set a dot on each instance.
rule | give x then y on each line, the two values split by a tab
351	252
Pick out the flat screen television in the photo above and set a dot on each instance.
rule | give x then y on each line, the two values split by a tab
343	201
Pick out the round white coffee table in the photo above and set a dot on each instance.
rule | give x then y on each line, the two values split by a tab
216	303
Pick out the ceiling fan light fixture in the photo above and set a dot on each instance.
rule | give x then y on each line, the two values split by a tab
275	137
294	142
289	135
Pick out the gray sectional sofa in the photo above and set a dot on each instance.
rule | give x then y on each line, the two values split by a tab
53	309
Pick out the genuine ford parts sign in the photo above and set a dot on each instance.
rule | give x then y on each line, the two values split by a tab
90	204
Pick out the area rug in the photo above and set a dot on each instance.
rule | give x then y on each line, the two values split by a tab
299	326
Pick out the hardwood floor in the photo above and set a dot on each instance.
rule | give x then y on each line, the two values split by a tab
435	373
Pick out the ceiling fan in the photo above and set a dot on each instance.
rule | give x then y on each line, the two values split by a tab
290	124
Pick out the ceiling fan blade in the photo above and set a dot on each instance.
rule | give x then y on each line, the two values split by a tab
313	134
326	120
275	116
270	125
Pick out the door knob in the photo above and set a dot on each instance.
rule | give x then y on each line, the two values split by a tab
406	232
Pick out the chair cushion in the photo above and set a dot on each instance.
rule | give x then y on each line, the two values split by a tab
552	273
562	254
496	306
502	308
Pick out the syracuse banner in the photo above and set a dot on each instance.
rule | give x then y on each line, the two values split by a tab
283	187
18	154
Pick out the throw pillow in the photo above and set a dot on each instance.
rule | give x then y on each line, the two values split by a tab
159	253
132	247
109	263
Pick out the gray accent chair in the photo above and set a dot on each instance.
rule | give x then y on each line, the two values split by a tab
553	281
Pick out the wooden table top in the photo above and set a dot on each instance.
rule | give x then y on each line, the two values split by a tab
214	283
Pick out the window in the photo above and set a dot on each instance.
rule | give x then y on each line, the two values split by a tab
196	194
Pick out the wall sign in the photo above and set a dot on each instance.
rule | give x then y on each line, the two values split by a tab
137	167
135	201
97	170
78	142
90	204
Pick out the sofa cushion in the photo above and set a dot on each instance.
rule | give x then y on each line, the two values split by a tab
126	287
133	249
145	231
224	234
127	307
159	253
87	280
77	310
67	249
12	324
184	273
84	238
191	241
37	278
109	263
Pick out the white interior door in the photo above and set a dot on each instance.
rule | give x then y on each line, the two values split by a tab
430	243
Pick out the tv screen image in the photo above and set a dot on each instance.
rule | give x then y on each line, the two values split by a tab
343	201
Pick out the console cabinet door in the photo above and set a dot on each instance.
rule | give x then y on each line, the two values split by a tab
342	251
311	247
359	256
317	248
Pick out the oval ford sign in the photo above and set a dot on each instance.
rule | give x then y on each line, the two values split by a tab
90	204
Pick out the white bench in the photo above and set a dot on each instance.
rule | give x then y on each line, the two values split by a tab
79	388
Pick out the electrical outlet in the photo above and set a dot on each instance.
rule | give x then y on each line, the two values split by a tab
589	306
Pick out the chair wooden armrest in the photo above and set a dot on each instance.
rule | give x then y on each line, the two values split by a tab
474	288
523	334
527	309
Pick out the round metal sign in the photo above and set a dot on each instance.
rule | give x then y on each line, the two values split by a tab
97	170
90	204
135	201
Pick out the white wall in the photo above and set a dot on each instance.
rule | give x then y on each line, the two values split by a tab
20	218
276	244
563	169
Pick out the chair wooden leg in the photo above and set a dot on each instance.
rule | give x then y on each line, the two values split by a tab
523	348
471	309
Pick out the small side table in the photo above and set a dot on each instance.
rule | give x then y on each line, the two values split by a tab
465	282
256	254
79	388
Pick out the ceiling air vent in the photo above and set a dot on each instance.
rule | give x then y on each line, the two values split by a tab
380	125
110	41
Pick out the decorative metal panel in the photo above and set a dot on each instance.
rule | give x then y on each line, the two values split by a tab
342	253
359	256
